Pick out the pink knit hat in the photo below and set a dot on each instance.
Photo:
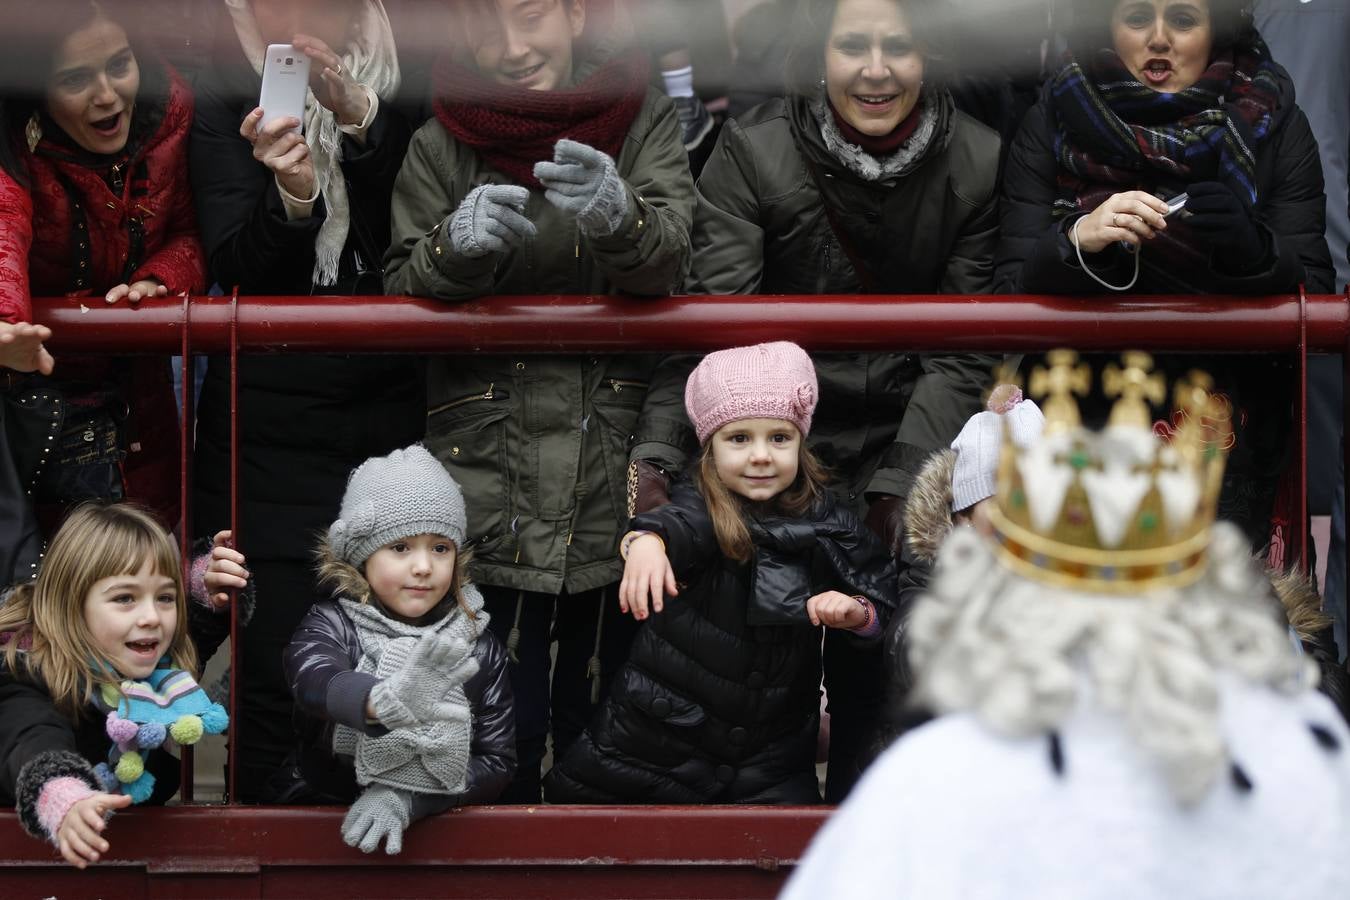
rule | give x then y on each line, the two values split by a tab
766	381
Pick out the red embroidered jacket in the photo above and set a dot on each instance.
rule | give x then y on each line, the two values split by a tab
70	216
71	233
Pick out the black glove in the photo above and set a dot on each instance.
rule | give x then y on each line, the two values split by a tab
1223	221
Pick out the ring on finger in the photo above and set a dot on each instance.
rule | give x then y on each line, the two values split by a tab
339	70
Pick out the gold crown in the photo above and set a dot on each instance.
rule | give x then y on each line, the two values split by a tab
1120	511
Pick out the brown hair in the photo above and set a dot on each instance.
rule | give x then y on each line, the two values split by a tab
810	32
728	510
94	542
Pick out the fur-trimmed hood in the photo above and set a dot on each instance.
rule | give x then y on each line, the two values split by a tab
338	574
928	511
1302	604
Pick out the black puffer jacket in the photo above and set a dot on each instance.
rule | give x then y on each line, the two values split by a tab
711	708
321	663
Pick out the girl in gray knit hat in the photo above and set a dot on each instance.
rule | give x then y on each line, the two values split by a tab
403	700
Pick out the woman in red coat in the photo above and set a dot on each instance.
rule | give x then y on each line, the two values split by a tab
94	201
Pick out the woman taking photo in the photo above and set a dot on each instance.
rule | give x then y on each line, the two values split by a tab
94	202
864	179
1162	98
291	208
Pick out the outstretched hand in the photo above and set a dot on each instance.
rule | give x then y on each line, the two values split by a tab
21	347
647	578
80	835
332	83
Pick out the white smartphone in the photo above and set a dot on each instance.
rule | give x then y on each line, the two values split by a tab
1178	205
285	81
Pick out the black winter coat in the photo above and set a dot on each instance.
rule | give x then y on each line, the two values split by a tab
1035	257
320	665
720	699
306	420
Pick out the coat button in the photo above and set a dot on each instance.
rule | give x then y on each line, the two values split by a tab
726	774
737	735
755	680
661	707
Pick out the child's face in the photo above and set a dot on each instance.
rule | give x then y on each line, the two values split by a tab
411	576
977	517
525	43
132	619
757	458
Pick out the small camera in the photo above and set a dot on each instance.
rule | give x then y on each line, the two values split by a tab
290	60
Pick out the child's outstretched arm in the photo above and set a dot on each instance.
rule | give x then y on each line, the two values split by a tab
647	575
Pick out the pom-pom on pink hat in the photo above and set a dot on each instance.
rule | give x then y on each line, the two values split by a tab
766	381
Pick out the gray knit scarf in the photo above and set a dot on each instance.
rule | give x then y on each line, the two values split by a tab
425	759
865	165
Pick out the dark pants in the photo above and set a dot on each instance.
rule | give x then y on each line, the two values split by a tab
855	682
265	736
575	695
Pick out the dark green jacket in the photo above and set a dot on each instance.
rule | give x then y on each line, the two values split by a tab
540	444
761	227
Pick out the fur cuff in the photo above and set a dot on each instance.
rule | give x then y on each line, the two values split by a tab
34	778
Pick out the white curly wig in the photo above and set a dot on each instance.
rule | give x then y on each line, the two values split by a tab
1021	655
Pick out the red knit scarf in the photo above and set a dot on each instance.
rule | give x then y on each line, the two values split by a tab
514	128
883	145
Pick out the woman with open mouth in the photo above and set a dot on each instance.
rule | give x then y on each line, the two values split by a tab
94	202
863	179
1176	100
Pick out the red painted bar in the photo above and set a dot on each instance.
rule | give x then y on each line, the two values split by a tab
544	851
557	324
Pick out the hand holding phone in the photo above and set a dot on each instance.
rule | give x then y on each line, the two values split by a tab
285	82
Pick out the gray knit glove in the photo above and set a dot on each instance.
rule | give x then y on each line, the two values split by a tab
584	181
379	813
415	694
490	221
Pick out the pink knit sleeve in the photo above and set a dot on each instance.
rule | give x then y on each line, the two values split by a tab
56	799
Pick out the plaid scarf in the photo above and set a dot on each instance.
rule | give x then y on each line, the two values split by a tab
1115	133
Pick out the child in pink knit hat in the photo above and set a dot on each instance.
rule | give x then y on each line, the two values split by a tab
720	700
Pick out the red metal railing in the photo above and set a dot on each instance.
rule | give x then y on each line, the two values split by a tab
577	851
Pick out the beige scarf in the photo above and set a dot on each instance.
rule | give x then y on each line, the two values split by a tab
372	60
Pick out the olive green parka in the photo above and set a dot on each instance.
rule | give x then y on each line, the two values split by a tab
540	443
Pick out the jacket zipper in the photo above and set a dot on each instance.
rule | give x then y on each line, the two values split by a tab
489	394
618	384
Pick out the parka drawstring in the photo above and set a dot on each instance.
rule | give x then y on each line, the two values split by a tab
593	665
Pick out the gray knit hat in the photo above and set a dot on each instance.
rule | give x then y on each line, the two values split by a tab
397	496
